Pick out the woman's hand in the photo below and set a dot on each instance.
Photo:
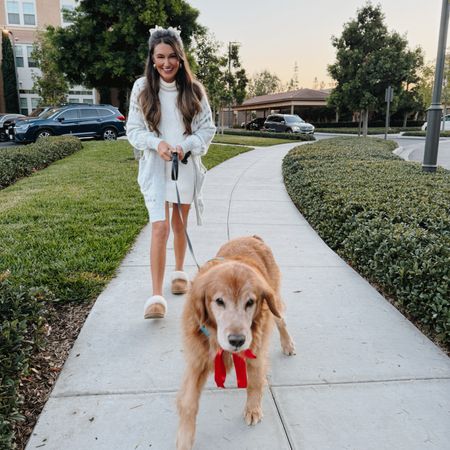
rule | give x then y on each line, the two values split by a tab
180	152
165	150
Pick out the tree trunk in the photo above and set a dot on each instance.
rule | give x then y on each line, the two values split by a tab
105	94
359	123
221	119
365	122
405	119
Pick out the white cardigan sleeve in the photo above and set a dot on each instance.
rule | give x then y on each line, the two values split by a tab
138	133
203	130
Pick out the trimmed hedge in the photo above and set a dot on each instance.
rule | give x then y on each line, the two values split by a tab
21	312
370	131
22	161
293	136
424	133
371	124
386	217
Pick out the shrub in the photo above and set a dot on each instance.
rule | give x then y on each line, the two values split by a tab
21	321
19	162
293	136
389	219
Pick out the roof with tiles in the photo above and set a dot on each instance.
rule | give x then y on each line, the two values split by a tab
300	94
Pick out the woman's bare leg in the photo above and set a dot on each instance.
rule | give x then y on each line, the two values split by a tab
179	238
160	234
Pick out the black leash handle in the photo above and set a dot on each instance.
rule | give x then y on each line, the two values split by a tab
174	166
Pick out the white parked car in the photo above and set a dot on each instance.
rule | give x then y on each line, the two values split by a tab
446	126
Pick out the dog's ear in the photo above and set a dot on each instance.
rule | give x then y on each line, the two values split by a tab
269	296
197	297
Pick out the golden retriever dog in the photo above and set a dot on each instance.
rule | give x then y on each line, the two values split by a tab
231	307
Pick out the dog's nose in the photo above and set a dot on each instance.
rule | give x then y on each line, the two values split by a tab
236	340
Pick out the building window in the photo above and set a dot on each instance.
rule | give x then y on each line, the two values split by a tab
31	62
12	8
21	12
18	50
29	15
34	103
23	106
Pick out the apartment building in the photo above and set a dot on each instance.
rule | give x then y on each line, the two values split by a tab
21	19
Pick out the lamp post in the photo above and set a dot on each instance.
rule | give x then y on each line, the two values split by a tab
5	30
230	44
435	110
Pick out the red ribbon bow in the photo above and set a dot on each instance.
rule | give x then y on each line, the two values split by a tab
240	366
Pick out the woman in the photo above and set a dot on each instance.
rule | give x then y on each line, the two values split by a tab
169	113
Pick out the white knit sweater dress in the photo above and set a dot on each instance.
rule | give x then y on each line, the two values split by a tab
154	176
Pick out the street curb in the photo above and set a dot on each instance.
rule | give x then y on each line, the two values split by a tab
403	153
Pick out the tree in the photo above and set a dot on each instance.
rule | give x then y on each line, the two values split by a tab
293	82
106	45
222	74
236	77
368	60
263	83
51	84
9	76
208	66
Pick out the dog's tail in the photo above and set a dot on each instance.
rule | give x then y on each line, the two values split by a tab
257	237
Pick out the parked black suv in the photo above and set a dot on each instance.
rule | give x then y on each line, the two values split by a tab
77	119
288	123
256	124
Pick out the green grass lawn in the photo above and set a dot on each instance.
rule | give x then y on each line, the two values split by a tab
68	227
248	140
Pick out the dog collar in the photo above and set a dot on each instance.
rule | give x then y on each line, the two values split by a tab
239	360
240	366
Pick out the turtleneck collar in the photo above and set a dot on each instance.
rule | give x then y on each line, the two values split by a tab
167	86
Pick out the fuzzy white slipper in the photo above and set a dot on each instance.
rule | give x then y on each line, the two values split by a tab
155	307
180	282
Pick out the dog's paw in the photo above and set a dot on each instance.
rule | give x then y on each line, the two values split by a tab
288	347
253	416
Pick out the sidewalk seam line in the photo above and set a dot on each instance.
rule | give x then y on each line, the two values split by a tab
281	419
343	383
231	195
270	386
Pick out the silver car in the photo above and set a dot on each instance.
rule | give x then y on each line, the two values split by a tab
288	123
446	126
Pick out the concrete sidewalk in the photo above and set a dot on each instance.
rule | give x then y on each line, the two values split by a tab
363	378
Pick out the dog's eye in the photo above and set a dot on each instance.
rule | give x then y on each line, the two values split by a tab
249	303
220	301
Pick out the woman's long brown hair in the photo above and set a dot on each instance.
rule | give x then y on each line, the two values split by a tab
189	90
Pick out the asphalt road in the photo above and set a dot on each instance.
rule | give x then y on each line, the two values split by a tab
413	150
7	144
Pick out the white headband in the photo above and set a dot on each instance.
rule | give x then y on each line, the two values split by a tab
160	32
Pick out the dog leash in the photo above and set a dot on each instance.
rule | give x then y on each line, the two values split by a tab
174	176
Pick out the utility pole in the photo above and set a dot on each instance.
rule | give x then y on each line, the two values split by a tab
435	110
388	97
230	115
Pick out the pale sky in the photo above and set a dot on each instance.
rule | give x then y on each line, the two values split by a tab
275	34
